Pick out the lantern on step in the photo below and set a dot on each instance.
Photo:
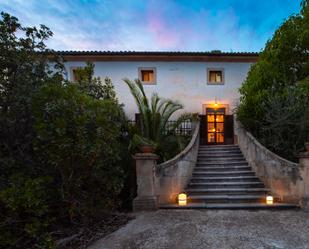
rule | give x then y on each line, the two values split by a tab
269	200
182	199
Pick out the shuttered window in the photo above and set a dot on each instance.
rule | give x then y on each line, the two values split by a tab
147	75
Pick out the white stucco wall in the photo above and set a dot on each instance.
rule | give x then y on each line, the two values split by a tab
182	81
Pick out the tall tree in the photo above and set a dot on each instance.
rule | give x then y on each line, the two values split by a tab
24	68
282	70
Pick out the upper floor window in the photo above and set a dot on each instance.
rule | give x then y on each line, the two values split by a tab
147	75
215	76
74	76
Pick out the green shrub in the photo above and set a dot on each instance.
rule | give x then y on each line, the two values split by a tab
25	220
81	137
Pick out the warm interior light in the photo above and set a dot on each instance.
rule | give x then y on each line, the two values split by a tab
213	129
269	200
182	199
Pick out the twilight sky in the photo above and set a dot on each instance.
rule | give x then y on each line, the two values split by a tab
165	25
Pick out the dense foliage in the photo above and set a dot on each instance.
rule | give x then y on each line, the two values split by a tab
63	149
274	102
154	114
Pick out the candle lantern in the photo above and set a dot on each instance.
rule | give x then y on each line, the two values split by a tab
182	199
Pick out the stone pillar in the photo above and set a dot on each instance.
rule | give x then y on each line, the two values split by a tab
145	177
304	171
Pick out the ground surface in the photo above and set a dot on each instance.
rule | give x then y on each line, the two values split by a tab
83	234
221	229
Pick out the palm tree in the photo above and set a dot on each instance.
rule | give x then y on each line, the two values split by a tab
154	114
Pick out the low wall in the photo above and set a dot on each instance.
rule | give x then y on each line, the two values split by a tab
172	176
285	179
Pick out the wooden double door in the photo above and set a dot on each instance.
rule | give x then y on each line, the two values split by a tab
216	127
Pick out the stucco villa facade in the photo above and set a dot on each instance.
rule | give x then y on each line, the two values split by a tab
204	82
239	172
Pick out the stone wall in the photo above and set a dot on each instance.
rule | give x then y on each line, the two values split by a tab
171	177
286	180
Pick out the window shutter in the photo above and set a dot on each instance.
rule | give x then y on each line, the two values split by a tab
203	129
229	129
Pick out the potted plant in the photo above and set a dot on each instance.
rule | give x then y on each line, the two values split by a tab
143	144
307	146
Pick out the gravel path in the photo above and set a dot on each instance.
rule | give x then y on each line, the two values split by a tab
182	229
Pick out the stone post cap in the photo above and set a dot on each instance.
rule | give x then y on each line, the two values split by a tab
146	156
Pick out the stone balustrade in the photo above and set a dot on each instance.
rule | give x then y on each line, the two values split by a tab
161	184
287	181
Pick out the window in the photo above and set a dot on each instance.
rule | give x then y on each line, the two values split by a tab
215	76
73	73
147	75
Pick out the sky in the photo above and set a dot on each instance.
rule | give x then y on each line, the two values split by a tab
155	25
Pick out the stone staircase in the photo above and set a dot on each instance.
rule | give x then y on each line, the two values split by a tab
222	179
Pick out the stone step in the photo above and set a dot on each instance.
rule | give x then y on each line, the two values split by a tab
222	165
220	146
227	191
215	157
221	160
246	206
222	155
222	173
222	178
219	151
227	198
217	148
213	148
225	179
221	168
204	162
256	184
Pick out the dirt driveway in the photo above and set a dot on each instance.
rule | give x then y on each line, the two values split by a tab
182	229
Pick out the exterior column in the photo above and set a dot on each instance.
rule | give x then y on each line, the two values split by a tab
304	169
145	177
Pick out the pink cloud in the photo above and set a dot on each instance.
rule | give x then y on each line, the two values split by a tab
164	34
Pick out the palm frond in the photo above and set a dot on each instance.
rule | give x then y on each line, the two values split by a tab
142	105
141	88
169	109
155	114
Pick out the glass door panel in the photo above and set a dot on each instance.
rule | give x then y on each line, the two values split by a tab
220	138
219	118
211	127
210	118
220	127
211	138
215	125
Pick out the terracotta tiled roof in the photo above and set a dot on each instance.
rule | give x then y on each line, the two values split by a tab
212	56
159	53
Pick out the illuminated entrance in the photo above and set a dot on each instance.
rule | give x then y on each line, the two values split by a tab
215	125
